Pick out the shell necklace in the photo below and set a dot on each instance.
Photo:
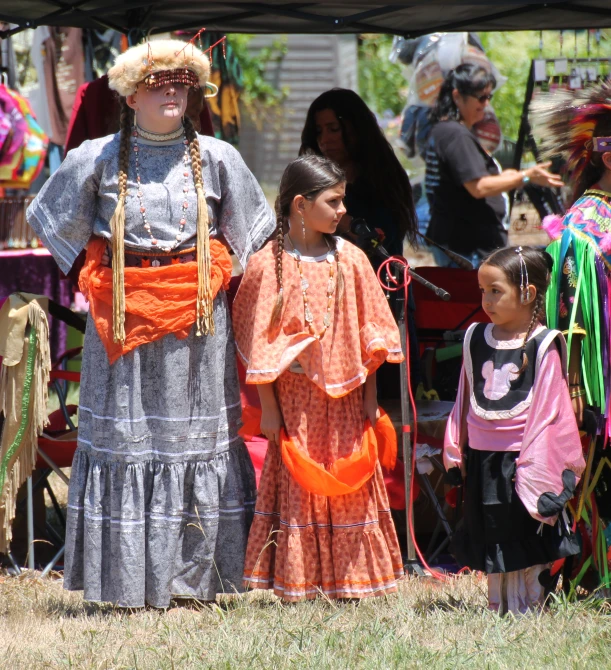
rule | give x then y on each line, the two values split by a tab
308	316
187	172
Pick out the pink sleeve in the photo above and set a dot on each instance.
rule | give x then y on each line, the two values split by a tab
456	428
551	441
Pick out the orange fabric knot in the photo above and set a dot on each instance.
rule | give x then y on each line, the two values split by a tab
346	475
158	300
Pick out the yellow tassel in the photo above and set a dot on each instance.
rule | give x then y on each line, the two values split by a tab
117	229
205	316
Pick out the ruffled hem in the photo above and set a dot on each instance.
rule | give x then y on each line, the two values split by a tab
302	545
348	564
142	533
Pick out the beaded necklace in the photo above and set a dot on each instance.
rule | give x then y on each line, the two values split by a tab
186	174
160	137
308	316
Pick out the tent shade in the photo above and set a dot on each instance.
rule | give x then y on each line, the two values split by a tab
324	16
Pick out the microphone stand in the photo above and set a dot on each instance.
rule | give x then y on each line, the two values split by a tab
367	240
412	565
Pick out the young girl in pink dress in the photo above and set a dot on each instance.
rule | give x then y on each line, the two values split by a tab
513	436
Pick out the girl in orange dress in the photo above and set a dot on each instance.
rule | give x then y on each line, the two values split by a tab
312	325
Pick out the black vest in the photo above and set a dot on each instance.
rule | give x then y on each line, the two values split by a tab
498	391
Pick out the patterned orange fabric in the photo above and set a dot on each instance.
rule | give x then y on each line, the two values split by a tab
303	543
363	332
158	301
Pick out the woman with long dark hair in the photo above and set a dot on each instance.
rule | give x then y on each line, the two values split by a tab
464	184
340	126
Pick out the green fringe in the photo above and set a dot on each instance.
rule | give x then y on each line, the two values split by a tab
588	296
25	407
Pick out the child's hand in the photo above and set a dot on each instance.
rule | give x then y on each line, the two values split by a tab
271	417
370	400
271	423
372	411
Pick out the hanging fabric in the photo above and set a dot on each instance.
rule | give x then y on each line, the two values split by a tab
27	161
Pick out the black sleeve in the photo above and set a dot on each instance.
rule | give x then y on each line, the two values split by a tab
458	149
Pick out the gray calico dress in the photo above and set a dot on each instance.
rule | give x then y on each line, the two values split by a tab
162	489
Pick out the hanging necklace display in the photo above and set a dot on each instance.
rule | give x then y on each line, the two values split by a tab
185	191
308	316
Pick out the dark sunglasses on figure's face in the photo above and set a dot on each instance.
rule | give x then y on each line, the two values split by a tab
482	99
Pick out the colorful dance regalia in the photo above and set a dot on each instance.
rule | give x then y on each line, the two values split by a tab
517	437
322	522
578	304
162	489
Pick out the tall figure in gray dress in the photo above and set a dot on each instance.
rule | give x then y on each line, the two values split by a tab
162	489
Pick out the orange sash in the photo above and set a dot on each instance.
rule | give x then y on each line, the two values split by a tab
158	301
346	475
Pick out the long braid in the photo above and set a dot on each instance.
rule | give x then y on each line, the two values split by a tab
204	308
538	312
274	322
117	228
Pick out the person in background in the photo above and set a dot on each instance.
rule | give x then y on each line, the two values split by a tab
341	127
577	126
463	183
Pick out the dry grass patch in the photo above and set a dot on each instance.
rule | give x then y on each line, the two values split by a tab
426	625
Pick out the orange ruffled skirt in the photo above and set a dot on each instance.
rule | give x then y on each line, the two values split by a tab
303	545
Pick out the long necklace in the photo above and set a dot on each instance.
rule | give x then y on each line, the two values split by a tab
185	191
308	316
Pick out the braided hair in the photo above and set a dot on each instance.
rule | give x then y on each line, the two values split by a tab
538	266
308	176
205	319
204	309
117	226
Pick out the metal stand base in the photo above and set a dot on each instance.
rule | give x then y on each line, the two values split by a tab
414	568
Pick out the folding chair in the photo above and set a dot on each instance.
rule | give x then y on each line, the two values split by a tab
440	326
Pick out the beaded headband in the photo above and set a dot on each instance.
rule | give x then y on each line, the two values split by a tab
177	76
524	283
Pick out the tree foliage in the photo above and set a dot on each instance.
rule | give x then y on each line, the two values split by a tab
381	83
260	97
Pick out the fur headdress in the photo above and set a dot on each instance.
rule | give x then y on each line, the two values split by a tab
566	120
141	61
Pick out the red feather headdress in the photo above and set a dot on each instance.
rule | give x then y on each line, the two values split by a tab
565	122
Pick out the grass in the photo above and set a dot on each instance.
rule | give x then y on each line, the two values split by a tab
426	625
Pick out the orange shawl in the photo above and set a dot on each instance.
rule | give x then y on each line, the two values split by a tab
158	301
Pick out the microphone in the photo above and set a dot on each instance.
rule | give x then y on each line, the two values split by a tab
368	240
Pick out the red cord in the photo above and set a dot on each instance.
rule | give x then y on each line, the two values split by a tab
397	286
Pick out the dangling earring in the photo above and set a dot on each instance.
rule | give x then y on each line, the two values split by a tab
303	232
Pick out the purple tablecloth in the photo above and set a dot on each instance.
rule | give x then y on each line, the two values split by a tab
35	271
